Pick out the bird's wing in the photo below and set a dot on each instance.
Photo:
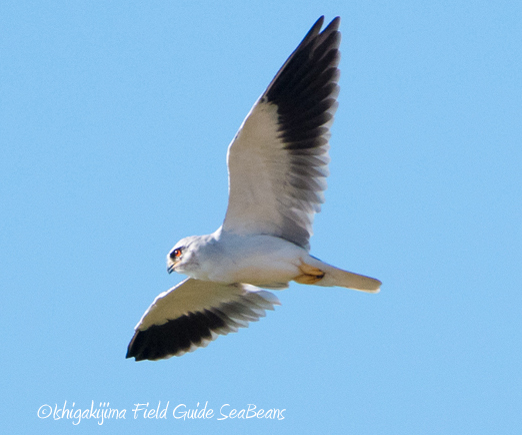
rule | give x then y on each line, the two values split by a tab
278	161
194	313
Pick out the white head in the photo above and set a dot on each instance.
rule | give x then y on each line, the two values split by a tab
182	257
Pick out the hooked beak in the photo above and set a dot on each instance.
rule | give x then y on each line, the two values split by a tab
170	268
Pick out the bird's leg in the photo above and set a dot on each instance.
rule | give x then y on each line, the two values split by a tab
309	274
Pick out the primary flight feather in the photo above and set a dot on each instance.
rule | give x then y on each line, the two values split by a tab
277	164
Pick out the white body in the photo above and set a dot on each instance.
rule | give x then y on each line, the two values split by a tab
260	260
228	258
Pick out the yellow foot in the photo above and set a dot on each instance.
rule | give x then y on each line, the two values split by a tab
310	274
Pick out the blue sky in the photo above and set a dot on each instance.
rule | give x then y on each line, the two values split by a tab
114	124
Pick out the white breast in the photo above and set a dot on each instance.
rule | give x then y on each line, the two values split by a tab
257	260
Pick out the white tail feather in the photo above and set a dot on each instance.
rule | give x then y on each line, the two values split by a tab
335	277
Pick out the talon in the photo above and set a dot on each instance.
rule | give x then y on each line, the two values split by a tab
311	270
310	274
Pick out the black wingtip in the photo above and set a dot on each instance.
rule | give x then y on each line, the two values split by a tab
318	23
332	25
131	350
174	337
316	29
314	46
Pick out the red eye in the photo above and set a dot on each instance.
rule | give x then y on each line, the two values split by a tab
176	253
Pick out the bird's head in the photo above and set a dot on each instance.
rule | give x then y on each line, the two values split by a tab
182	257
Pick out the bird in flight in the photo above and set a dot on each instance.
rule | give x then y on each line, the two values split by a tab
277	166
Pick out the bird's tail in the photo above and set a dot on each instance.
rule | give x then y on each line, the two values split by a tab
319	273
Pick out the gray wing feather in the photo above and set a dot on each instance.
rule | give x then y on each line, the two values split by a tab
278	161
193	314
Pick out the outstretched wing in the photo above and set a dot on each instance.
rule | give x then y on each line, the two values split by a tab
278	161
194	313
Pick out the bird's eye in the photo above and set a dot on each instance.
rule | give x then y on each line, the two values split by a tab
176	253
